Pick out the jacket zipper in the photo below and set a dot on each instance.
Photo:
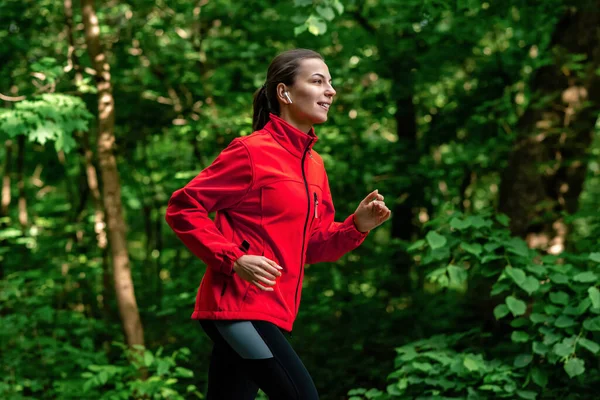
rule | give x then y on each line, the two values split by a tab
305	224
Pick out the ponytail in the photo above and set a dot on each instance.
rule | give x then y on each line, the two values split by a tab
262	108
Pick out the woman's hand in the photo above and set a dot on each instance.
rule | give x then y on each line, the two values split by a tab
371	212
257	270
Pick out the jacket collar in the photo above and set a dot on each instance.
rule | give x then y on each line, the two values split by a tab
294	140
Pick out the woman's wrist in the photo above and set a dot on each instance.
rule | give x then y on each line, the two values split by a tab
356	225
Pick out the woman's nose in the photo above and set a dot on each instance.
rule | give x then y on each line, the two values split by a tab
330	91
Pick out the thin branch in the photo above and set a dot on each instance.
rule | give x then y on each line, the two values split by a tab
11	98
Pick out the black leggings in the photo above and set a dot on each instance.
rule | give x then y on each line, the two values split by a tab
248	355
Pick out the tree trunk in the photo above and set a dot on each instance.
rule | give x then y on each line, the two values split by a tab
90	169
6	178
547	167
111	191
73	59
23	217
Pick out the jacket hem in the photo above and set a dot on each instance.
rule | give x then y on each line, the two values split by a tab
243	315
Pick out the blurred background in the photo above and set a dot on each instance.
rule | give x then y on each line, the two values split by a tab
477	120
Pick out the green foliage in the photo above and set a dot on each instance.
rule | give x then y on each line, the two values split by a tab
430	99
49	117
552	325
322	12
122	381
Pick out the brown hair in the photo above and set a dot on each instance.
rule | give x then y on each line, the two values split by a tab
283	69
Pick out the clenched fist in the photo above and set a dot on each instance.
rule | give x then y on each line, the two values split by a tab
371	212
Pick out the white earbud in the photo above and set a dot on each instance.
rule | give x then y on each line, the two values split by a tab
287	96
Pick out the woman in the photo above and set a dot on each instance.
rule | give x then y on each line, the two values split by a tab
274	213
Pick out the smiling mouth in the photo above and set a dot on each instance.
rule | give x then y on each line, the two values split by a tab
324	105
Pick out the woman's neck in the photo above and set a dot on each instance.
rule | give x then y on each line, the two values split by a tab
301	126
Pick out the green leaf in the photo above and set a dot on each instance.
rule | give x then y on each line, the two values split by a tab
459	224
552	309
574	367
339	7
551	337
500	287
592	324
530	285
183	372
517	274
43	133
540	348
537	269
302	3
326	12
564	322
523	360
539	377
425	367
538	318
501	311
595	257
477	222
148	358
435	240
561	298
562	350
457	275
416	245
516	306
65	143
519	336
438	275
526	394
580	309
474	248
586	277
103	377
503	219
491	246
517	246
594	295
473	364
559	278
316	25
519	322
589	344
299	29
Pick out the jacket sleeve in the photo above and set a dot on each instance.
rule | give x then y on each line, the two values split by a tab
219	186
330	240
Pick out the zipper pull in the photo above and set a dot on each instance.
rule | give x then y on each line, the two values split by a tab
316	205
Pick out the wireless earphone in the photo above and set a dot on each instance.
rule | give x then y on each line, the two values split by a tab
287	96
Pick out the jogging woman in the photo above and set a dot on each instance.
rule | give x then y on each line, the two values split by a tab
274	214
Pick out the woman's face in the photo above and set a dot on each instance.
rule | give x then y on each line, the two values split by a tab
311	95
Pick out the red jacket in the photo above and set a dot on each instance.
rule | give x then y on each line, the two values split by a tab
271	196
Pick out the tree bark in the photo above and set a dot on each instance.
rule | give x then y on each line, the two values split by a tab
22	203
111	190
73	59
547	167
6	178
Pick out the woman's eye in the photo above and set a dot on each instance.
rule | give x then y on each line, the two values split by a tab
318	81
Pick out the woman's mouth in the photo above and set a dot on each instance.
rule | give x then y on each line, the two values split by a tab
324	105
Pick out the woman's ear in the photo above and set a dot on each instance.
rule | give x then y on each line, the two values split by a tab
281	93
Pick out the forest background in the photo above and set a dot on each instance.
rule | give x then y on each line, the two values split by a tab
478	121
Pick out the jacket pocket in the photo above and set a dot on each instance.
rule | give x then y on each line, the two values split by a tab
229	288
